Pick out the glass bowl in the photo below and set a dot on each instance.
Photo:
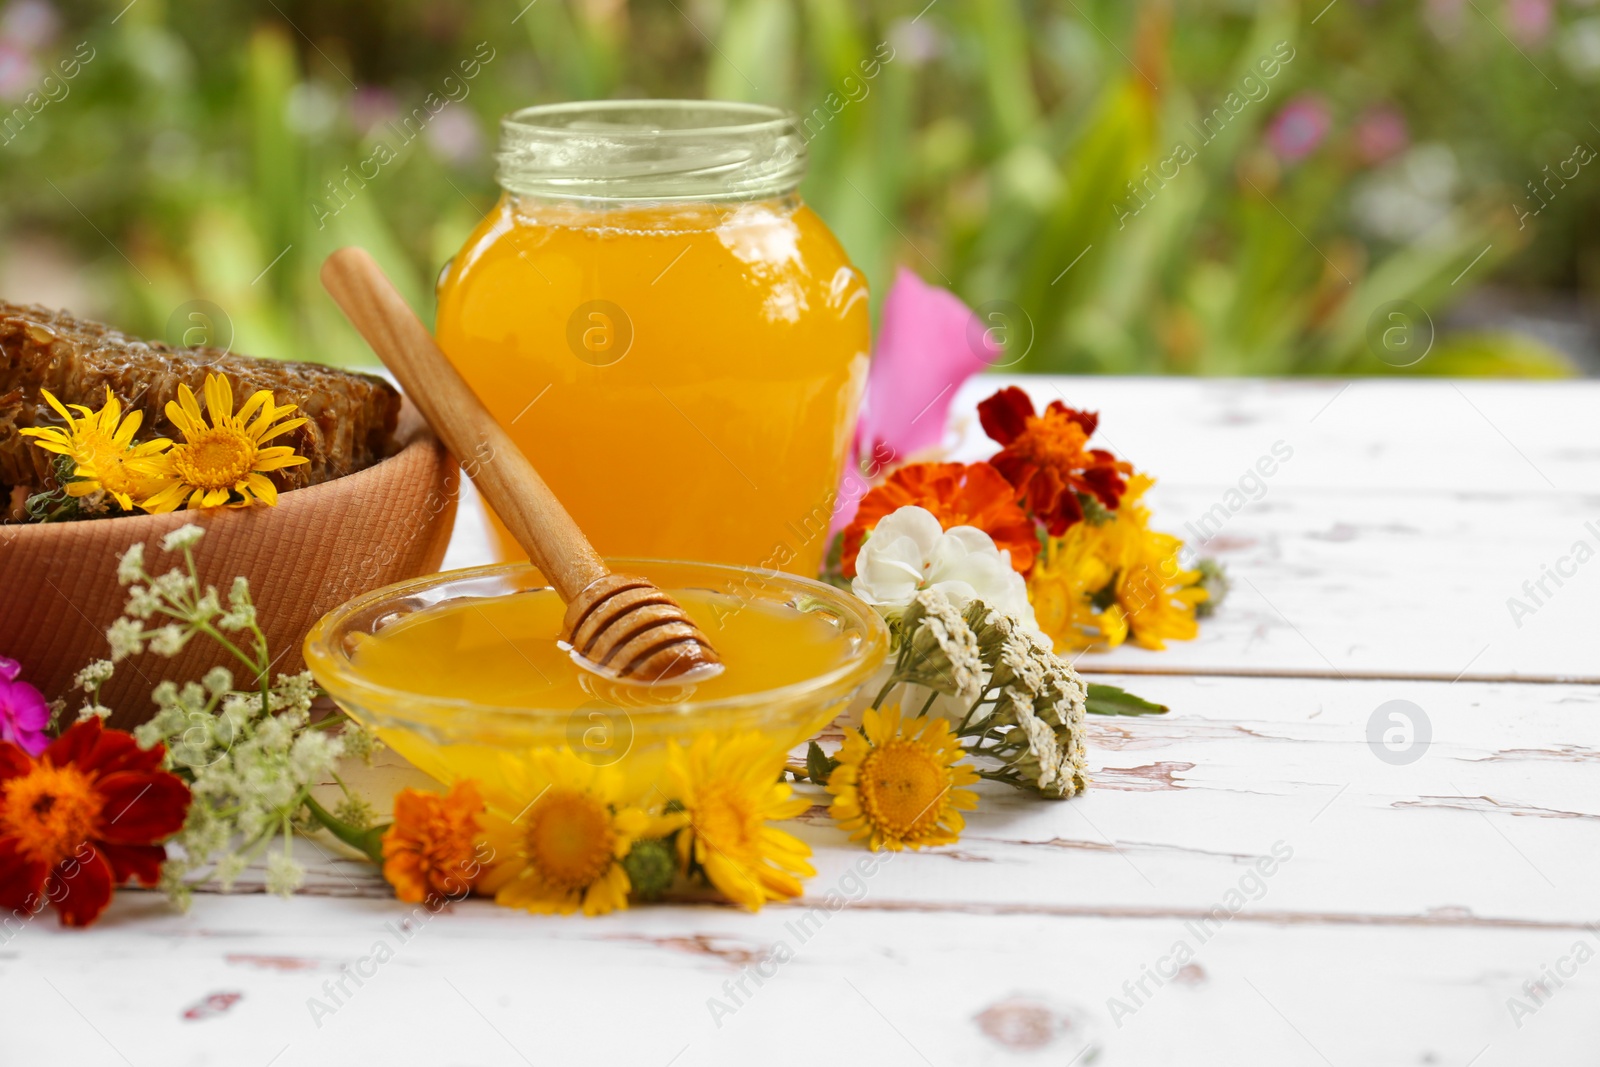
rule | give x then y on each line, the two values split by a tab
626	725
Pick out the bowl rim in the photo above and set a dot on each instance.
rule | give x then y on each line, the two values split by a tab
327	662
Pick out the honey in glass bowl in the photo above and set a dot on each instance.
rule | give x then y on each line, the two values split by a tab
673	338
461	673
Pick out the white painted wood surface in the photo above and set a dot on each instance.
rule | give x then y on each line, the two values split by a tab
1436	911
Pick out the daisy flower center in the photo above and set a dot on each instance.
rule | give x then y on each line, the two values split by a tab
723	820
50	812
215	459
570	841
901	785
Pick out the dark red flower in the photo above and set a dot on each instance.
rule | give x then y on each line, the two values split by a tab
1047	459
82	818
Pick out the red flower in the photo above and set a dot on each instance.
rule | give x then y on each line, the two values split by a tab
958	494
82	818
1047	458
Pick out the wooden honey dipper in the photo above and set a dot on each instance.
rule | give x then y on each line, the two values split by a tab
622	626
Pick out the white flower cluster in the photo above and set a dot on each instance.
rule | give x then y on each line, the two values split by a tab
1036	719
250	758
970	650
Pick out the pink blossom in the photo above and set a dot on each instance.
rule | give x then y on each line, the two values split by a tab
1299	128
17	72
1529	20
23	711
929	343
1381	133
29	24
454	136
370	106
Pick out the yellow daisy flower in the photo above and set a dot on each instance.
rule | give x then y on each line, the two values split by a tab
898	784
225	461
100	445
730	790
563	851
1105	583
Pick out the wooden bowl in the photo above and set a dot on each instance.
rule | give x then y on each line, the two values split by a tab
319	547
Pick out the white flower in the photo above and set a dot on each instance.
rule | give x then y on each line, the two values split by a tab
908	551
130	568
126	638
172	586
284	875
218	680
185	536
94	675
241	613
169	640
142	602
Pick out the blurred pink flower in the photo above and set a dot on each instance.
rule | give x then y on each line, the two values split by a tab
1529	20
23	711
1381	133
929	343
1297	130
17	72
29	24
370	106
454	135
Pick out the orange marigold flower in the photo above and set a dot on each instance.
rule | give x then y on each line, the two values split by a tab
83	818
958	494
431	852
1047	458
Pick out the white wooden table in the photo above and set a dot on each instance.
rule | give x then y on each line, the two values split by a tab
1435	908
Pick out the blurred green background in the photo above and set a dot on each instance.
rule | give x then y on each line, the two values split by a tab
1404	169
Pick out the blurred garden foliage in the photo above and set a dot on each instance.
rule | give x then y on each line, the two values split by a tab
1217	187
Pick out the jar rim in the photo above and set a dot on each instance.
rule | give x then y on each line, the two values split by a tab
633	150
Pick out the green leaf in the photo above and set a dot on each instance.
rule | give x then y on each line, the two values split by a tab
1110	700
819	765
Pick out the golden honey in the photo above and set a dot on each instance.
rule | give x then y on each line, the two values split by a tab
681	358
502	652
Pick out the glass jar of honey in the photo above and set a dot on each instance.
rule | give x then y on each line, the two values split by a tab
673	338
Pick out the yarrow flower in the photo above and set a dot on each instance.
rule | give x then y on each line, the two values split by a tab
24	713
86	815
431	852
731	790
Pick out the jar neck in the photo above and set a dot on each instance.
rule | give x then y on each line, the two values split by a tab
622	151
654	217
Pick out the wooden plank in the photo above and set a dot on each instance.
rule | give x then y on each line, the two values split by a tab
1491	825
1403	538
1431	435
252	982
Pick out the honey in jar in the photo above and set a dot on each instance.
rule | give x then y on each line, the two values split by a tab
673	338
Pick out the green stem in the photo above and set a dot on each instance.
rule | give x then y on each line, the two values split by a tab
928	704
368	842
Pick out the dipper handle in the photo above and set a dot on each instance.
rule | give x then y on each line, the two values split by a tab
501	472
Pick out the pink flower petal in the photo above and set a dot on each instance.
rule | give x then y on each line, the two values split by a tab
9	669
929	343
23	716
